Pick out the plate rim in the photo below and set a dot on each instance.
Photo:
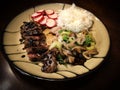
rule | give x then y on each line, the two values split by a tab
52	79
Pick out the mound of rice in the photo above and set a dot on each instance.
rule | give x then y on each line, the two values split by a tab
75	19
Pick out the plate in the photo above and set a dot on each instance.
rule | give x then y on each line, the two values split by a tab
18	57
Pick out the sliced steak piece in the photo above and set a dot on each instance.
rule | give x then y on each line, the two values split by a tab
34	57
39	50
32	37
30	29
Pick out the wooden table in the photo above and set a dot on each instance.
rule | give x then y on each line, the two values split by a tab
105	78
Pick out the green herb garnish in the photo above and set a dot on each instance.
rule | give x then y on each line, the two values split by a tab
88	40
60	59
66	38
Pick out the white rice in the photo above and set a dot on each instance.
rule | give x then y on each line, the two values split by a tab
75	19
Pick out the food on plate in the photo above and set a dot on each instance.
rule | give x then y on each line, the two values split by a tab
63	37
45	17
75	19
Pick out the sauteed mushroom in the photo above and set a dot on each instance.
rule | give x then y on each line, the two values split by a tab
88	54
49	61
79	49
71	59
49	64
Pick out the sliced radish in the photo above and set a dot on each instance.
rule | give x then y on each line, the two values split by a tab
34	15
53	16
38	19
49	12
45	17
50	23
41	11
43	22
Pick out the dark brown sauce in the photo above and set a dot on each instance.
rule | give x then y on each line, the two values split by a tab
23	56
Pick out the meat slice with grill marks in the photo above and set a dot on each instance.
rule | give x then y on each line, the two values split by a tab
37	50
30	29
35	53
34	40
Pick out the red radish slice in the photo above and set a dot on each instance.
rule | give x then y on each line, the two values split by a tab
49	12
40	11
38	19
53	16
34	15
50	23
43	22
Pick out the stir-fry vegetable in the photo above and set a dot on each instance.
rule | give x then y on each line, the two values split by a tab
56	44
88	40
60	59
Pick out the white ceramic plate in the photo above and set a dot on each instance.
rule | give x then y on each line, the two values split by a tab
18	56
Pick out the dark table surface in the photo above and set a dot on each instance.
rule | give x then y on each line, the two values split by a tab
107	77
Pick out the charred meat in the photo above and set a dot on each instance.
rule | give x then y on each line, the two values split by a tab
34	40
